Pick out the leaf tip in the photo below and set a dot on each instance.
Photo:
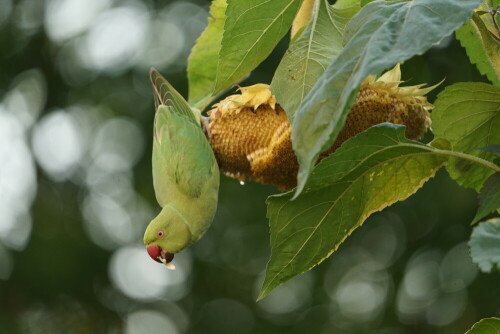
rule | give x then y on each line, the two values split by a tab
302	176
261	296
264	291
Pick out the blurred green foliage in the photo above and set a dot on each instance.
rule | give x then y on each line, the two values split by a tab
76	192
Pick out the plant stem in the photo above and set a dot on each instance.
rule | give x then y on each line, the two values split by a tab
462	155
470	157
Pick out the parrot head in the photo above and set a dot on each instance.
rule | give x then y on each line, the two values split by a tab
166	235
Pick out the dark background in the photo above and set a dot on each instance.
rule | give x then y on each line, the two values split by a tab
76	193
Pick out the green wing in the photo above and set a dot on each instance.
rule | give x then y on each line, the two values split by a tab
166	95
183	160
182	156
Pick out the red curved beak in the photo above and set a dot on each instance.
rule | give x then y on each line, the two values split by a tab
159	254
154	251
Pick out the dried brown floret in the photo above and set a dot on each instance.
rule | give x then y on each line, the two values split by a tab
237	130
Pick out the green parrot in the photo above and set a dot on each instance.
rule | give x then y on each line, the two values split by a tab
185	175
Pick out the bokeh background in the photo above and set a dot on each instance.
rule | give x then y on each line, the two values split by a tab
76	112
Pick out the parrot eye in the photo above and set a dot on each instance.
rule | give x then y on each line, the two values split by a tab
160	234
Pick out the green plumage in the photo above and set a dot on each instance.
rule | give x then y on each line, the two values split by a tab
185	172
181	155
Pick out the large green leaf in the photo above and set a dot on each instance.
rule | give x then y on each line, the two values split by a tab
482	49
202	62
307	57
486	326
251	31
484	245
468	115
489	197
368	173
380	35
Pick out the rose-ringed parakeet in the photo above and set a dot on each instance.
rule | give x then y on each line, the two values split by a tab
185	175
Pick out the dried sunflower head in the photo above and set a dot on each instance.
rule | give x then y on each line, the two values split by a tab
243	128
250	133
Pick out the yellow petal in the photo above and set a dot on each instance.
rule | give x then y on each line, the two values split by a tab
424	91
254	96
393	75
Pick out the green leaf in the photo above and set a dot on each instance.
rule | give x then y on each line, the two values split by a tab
307	58
486	326
484	245
366	174
381	34
482	49
468	115
365	2
489	197
252	30
202	62
441	143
